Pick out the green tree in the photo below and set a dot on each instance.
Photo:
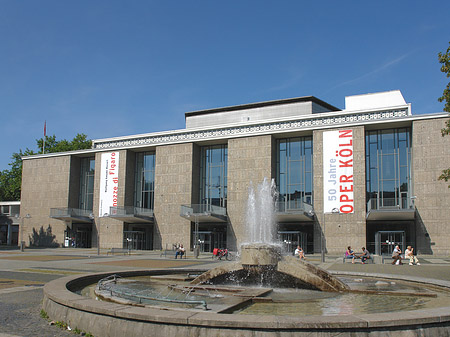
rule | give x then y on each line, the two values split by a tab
11	180
444	59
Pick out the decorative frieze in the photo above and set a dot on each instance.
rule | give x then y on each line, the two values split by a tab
252	129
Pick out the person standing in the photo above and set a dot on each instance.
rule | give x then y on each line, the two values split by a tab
409	253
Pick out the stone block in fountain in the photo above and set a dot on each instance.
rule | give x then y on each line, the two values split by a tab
263	263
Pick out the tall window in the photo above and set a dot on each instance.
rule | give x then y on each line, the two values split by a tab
213	175
145	180
87	184
388	167
294	172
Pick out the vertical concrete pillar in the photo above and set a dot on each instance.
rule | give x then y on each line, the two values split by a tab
249	160
430	156
340	230
173	188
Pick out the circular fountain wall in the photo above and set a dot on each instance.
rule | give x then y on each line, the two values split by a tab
117	319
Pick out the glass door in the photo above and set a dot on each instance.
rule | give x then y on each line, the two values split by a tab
385	242
205	242
134	240
291	239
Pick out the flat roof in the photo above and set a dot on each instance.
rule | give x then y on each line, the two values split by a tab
263	104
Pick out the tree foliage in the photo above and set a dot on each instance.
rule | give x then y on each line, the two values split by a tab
444	59
11	180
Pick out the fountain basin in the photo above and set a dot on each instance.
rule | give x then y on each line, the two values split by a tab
113	319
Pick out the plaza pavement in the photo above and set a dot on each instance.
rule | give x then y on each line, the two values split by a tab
23	274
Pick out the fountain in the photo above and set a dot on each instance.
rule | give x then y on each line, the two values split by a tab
261	258
238	298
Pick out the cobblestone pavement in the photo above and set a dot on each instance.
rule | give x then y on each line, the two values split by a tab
20	315
23	274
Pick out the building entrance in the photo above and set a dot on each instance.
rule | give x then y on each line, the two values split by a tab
385	241
80	236
210	238
137	237
291	239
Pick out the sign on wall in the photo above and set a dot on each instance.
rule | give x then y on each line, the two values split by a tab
338	171
109	182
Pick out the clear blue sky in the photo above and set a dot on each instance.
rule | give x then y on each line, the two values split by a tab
113	68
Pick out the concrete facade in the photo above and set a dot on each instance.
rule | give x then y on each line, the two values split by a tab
51	183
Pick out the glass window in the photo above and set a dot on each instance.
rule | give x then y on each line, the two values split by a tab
294	171
87	172
388	162
144	180
213	175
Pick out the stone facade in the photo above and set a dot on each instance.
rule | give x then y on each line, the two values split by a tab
341	230
52	181
45	185
249	161
431	155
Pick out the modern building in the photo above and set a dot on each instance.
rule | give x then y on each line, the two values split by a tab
9	222
363	176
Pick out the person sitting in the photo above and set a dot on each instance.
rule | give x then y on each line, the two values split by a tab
299	252
349	254
365	255
180	251
396	255
409	254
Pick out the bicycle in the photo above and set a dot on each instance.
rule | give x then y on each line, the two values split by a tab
219	253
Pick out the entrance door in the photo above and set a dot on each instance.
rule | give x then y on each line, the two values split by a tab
134	240
385	242
291	239
205	241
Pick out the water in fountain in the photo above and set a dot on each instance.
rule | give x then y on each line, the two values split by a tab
260	217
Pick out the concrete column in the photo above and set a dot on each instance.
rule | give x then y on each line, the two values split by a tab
430	156
249	160
173	188
341	230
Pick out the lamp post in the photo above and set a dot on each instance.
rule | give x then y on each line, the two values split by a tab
92	217
196	237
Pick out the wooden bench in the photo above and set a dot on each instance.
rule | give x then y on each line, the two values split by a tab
123	251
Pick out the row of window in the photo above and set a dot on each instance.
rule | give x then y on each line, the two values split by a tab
388	176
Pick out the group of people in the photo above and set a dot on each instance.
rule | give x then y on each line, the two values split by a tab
396	255
364	256
409	254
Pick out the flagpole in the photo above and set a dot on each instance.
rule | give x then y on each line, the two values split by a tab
45	132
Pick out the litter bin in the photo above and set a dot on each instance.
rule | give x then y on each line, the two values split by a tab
22	246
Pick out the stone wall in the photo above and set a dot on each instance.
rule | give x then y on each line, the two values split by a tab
173	188
45	185
249	160
341	230
431	155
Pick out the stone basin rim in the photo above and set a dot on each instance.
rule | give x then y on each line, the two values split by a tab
57	291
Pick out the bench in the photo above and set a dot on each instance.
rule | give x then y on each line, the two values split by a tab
369	260
123	251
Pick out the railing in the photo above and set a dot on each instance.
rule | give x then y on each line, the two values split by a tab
70	212
390	204
294	206
187	210
130	211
